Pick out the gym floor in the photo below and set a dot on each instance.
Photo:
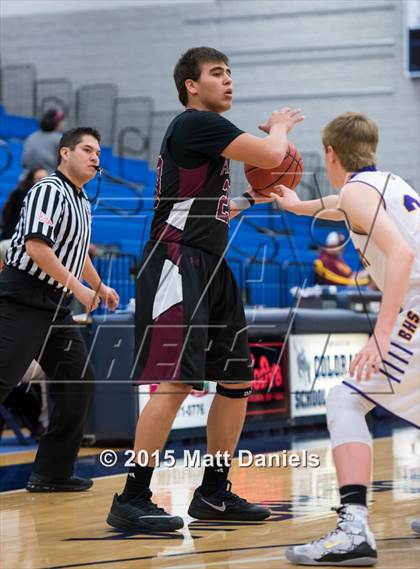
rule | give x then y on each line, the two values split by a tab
43	531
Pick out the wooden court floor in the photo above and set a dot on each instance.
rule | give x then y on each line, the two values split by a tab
69	530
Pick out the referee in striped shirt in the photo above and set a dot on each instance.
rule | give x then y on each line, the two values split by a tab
45	263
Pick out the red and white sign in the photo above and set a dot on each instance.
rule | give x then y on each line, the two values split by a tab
269	386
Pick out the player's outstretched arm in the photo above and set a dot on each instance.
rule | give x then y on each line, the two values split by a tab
266	152
363	207
325	208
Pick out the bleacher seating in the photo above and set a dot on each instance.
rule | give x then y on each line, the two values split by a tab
270	251
12	127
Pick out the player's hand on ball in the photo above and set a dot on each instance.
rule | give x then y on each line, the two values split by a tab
286	116
285	198
109	296
260	196
369	359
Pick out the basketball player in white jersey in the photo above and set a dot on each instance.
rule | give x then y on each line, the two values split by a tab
383	212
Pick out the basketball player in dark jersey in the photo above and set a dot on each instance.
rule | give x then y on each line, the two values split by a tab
190	323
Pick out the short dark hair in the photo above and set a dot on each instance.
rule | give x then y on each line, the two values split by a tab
72	137
189	67
50	120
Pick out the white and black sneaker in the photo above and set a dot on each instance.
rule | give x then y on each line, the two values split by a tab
350	544
141	515
225	505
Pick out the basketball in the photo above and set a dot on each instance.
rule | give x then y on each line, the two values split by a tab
288	173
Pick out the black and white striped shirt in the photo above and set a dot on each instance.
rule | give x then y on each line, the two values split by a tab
55	211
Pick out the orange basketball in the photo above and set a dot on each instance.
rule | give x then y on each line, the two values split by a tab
288	173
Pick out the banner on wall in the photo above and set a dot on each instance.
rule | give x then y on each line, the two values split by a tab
193	411
317	362
268	390
269	387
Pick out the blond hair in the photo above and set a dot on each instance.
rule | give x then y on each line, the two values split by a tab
354	137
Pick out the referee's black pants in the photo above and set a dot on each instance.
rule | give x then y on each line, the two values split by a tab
36	323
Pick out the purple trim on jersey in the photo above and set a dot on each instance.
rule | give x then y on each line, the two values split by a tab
371	168
192	181
402	348
390	376
166	345
393	366
398	357
378	404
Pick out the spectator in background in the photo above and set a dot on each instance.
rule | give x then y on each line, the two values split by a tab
13	205
330	267
40	148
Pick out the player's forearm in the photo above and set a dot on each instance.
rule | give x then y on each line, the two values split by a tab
234	210
90	275
48	262
245	201
395	289
276	141
240	204
323	209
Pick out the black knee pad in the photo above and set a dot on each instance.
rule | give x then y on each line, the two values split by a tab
234	393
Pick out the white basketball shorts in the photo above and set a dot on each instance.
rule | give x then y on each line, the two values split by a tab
396	387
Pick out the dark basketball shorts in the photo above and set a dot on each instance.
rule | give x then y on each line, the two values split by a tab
190	322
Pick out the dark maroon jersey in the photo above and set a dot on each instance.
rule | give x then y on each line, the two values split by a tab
192	186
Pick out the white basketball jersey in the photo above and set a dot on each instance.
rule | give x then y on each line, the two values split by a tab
402	204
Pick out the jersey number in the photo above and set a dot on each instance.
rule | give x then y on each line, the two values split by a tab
411	203
223	209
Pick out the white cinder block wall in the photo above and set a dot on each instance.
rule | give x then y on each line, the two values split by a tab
326	56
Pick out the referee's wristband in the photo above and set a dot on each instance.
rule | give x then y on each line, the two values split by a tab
244	201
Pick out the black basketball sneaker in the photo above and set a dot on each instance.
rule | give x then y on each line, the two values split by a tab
141	515
225	505
37	483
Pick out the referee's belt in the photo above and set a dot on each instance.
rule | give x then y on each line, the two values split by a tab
53	292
